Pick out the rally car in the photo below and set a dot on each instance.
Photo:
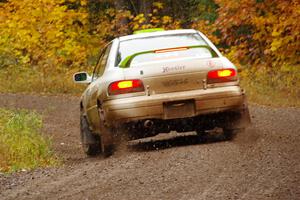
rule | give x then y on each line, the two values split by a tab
157	81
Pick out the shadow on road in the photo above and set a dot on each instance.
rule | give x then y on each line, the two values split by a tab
151	144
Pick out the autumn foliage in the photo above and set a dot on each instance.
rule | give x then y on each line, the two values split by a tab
264	38
265	32
260	36
44	33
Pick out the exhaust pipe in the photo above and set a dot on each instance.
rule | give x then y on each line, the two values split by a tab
148	123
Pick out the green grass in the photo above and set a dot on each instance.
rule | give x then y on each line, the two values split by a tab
21	144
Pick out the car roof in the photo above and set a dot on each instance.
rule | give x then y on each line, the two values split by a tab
157	33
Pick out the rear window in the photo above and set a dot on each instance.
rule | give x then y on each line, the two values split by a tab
130	47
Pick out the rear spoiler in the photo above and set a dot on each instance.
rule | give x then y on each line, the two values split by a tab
126	62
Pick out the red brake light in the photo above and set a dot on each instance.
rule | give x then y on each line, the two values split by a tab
222	75
125	86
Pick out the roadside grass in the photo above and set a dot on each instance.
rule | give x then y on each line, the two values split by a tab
269	96
21	144
30	80
278	89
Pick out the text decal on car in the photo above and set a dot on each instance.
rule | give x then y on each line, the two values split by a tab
171	69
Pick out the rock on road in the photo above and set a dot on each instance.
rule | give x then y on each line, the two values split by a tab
262	163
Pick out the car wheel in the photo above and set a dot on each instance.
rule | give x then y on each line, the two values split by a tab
90	142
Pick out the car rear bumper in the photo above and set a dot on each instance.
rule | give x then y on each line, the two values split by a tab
208	101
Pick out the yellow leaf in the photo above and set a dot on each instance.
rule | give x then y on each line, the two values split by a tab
158	5
276	33
275	45
83	2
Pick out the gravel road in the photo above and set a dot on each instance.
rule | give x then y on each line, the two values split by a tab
262	163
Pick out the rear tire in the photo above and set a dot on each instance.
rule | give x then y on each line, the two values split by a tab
90	142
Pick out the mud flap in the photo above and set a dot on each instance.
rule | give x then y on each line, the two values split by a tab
107	141
240	120
106	135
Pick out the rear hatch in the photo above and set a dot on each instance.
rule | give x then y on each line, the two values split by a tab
173	75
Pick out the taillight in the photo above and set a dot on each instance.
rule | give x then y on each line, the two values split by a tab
125	86
222	75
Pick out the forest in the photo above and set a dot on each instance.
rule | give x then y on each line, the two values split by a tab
43	42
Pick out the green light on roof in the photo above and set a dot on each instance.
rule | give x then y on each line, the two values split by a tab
150	30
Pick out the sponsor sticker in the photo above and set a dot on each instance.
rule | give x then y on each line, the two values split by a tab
210	63
171	69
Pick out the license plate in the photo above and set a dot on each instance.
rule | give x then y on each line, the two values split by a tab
179	109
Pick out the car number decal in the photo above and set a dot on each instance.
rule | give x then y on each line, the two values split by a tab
175	68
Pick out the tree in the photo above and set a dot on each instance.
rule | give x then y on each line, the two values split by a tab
44	33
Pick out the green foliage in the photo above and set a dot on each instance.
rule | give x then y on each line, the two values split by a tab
21	144
206	10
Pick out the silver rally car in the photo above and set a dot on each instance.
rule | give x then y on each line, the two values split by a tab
158	81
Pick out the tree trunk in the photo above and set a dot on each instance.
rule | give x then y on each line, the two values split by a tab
121	4
145	8
122	23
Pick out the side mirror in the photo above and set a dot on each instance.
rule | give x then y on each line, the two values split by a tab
82	77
